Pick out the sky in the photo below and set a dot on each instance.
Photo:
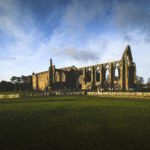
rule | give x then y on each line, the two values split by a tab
72	32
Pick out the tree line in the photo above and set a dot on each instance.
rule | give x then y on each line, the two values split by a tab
141	85
23	83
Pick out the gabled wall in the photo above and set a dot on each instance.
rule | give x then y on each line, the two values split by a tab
90	77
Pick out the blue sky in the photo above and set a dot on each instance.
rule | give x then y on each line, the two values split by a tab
72	32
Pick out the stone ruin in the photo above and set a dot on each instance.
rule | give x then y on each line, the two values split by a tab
115	76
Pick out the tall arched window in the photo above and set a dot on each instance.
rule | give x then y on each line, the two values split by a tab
117	71
88	75
97	74
107	73
57	76
63	77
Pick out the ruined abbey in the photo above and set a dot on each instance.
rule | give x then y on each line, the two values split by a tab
117	75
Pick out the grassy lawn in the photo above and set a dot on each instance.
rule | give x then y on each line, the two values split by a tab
75	123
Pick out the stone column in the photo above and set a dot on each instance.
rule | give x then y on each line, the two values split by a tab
134	73
95	75
53	72
50	78
109	79
37	87
102	75
122	75
126	77
92	74
92	77
60	73
51	75
111	76
84	79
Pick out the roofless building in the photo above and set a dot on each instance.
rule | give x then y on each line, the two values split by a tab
116	75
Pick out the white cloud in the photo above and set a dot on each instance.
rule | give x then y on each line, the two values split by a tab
22	44
71	42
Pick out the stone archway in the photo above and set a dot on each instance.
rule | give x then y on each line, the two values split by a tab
97	76
88	75
71	79
106	77
116	80
117	72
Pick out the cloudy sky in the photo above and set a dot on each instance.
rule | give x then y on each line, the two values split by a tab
72	32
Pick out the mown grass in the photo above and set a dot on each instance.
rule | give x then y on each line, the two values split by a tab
75	123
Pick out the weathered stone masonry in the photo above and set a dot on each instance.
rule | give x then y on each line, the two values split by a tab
116	75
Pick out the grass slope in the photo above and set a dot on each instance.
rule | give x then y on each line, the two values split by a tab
75	122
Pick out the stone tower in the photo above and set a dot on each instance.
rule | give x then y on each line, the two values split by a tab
51	72
128	74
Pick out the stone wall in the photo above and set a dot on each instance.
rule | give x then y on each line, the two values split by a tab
68	93
116	75
120	94
34	82
40	81
9	96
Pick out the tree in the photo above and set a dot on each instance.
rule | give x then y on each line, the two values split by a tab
139	80
148	81
6	86
15	79
25	79
22	83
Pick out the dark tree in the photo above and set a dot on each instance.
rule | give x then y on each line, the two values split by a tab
148	81
22	83
15	79
139	80
6	86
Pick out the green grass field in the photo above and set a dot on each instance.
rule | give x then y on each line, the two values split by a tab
75	123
